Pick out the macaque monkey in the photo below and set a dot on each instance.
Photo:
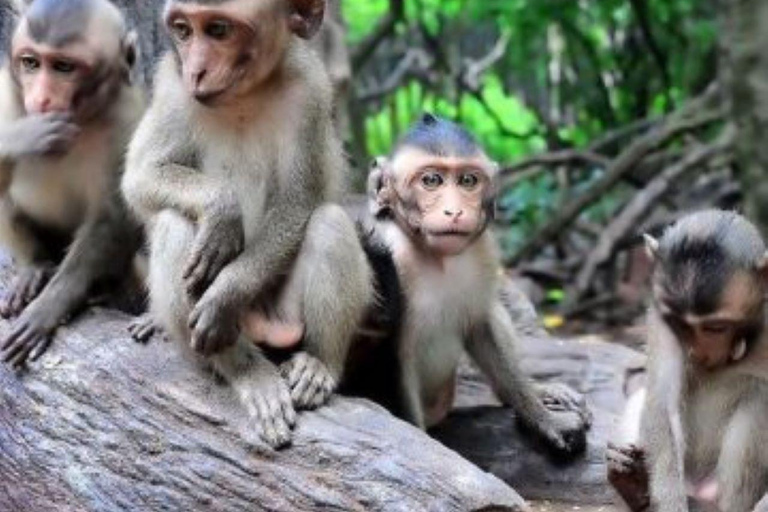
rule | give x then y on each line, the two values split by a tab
432	202
232	169
697	431
67	111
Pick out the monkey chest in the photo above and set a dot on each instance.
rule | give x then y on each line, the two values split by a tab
60	191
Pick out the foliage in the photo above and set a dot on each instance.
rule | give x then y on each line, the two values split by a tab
570	71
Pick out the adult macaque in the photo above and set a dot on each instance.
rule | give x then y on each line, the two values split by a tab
232	168
433	200
67	111
703	415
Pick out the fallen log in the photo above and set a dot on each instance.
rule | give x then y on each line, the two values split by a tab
103	424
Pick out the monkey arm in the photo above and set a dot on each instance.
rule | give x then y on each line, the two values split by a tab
492	346
661	428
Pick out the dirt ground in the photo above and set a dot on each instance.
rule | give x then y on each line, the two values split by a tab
546	506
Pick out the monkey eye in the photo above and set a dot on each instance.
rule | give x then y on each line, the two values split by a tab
29	63
64	66
431	180
716	329
469	181
219	29
181	29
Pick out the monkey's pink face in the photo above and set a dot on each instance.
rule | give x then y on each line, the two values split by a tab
444	199
50	78
722	337
224	51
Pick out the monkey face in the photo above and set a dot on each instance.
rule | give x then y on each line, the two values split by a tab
71	68
225	51
723	336
444	202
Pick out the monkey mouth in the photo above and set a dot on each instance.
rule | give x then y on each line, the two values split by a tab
207	98
450	233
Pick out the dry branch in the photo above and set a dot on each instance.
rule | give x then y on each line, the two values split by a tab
641	204
697	114
363	51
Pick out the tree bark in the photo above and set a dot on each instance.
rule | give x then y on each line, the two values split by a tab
104	424
744	72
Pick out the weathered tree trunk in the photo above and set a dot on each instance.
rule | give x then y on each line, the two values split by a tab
744	71
103	424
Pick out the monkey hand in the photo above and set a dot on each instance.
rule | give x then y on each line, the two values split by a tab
43	134
219	240
268	401
29	338
214	327
564	433
310	380
560	397
27	285
143	328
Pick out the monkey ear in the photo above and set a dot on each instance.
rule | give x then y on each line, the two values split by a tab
762	267
378	189
651	247
305	17
130	51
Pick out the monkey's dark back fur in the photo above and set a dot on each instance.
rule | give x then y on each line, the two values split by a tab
373	370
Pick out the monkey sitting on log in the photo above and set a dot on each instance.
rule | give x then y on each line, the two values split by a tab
696	434
232	169
67	112
438	275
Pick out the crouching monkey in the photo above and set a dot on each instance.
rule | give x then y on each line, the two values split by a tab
232	169
697	434
438	274
67	111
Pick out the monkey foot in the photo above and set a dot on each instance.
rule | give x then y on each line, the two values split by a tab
268	402
272	333
310	380
627	474
25	288
143	328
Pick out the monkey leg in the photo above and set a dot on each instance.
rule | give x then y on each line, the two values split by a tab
102	248
255	380
332	285
628	474
742	477
27	246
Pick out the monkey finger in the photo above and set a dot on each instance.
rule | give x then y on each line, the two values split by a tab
289	412
41	346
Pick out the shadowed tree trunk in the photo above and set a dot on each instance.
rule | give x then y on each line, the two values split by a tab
744	72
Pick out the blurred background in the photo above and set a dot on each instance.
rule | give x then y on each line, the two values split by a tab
609	118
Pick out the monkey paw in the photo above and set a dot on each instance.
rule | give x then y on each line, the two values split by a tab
216	244
143	328
564	433
268	402
560	397
214	328
627	473
310	380
26	287
29	339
